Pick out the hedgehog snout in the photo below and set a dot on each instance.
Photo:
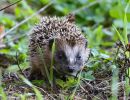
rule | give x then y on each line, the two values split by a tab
70	69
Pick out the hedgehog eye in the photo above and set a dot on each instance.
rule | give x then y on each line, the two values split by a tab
78	57
61	55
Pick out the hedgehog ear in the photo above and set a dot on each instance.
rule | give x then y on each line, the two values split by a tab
51	41
70	18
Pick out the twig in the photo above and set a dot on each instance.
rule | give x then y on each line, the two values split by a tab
83	89
1	76
88	84
45	92
86	6
21	36
28	18
10	5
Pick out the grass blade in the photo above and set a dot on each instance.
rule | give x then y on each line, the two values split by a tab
119	36
125	23
39	96
52	62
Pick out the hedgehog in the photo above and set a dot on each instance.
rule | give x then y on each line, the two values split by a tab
70	53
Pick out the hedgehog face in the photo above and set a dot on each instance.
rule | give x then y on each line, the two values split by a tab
70	59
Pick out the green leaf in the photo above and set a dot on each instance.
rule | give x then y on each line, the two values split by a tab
88	75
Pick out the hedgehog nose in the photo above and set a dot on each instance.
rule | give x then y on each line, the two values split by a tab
70	69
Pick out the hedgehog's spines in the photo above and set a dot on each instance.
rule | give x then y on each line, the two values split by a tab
68	36
56	27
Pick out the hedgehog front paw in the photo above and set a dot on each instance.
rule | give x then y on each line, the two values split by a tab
35	76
